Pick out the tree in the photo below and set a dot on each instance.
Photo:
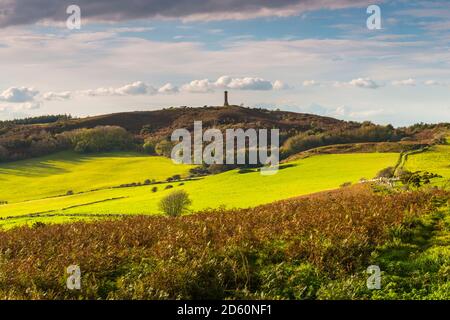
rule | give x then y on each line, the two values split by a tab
149	147
3	153
99	139
164	148
386	173
175	203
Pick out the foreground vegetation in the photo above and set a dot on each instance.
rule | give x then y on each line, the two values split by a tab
315	247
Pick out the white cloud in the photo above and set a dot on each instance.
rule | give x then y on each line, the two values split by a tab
365	114
58	96
280	85
33	105
223	82
310	83
347	112
168	88
18	94
406	82
434	83
98	92
227	82
198	86
249	83
364	83
135	88
132	89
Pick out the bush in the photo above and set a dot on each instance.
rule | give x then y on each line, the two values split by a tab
386	173
100	139
154	189
175	203
368	132
175	177
164	148
146	129
3	153
149	147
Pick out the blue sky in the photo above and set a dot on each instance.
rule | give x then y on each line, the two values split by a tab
297	55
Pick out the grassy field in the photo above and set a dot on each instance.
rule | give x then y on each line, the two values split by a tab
53	176
56	174
435	160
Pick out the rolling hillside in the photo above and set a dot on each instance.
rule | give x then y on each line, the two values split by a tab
435	160
55	175
66	185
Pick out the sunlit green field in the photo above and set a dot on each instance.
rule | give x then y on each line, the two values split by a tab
55	175
436	160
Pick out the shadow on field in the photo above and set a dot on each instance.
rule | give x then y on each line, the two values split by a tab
41	167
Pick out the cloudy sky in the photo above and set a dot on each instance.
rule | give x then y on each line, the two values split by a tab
315	56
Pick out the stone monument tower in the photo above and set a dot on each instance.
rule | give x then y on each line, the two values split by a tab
225	104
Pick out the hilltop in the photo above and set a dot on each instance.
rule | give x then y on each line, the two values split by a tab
168	119
26	138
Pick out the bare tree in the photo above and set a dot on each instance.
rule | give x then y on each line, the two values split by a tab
175	203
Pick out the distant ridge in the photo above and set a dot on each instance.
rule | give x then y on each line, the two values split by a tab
166	120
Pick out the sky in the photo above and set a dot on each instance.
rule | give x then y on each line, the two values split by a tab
313	56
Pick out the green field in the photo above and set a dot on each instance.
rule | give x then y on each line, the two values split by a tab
27	185
435	160
57	174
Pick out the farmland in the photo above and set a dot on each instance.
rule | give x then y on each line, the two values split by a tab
436	160
45	181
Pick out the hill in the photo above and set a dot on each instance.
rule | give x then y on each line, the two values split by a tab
26	138
166	120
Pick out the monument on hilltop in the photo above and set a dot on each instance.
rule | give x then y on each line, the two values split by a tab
225	104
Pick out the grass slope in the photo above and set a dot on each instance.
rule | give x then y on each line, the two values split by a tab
435	160
56	174
230	189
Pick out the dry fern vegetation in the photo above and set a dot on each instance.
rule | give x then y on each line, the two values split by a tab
313	247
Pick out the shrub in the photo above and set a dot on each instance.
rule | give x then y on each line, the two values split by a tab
386	173
3	153
245	170
175	203
368	132
99	139
164	148
146	129
154	189
149	147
